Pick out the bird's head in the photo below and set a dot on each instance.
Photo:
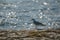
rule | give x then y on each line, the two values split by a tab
33	19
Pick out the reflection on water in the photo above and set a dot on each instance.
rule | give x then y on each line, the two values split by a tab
17	14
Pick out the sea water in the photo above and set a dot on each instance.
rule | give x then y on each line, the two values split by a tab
18	14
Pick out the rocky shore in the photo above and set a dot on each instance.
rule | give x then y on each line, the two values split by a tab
30	35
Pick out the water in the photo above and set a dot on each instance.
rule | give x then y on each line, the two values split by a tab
17	14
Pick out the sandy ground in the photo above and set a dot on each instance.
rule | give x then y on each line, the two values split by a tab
30	35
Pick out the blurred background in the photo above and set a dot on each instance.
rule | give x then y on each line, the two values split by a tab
17	14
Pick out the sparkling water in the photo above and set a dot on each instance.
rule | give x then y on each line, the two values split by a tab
17	14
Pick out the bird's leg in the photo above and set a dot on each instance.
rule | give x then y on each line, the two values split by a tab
35	27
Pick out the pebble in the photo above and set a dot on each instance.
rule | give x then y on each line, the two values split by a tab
28	35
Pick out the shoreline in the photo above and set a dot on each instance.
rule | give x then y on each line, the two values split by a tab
29	34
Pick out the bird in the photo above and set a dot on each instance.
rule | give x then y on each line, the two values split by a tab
38	23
